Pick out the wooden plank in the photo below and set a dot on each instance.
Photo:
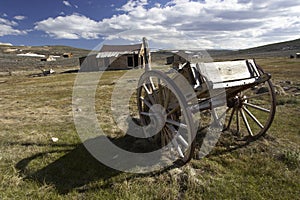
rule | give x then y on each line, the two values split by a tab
234	83
225	71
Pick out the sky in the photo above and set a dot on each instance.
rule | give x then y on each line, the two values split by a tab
167	24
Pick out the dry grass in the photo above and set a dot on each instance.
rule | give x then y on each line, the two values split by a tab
32	166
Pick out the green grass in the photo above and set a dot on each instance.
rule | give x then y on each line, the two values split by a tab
32	166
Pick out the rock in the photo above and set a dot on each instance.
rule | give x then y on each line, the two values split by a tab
289	82
279	90
54	139
262	90
48	72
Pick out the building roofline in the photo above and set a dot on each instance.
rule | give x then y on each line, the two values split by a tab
121	48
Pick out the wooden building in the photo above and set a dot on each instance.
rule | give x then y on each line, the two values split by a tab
114	57
67	55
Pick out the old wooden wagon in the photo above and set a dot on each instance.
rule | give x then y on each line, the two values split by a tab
168	103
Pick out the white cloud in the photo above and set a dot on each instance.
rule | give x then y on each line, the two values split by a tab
7	27
66	3
19	17
69	27
6	44
187	24
132	4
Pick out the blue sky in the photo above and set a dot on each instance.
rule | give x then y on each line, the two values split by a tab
221	24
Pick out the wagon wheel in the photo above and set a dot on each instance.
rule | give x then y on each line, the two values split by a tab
162	105
252	110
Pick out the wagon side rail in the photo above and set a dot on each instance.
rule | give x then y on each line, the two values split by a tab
250	96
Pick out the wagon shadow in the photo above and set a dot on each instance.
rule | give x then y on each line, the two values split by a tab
76	168
73	170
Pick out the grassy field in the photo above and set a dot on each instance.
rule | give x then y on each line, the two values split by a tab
33	166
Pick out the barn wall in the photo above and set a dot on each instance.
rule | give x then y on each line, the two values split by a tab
122	62
88	63
118	63
91	63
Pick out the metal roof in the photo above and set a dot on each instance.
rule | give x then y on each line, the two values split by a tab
108	54
108	51
120	48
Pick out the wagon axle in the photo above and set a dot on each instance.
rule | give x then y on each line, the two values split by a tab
237	101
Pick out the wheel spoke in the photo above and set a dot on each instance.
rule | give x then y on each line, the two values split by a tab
253	117
166	103
182	141
173	110
152	84
169	135
147	89
181	125
147	114
163	137
149	82
177	135
155	89
257	107
149	93
160	90
148	104
177	147
231	117
237	121
174	141
246	122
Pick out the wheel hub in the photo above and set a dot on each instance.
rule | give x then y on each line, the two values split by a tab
237	101
158	117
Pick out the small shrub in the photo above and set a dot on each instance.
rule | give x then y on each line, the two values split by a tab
284	101
291	159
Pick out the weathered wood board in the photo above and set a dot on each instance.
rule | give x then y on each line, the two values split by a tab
228	71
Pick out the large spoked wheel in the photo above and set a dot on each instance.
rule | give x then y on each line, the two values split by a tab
163	106
251	112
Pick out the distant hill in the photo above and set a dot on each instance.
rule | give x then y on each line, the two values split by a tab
281	46
9	61
281	49
46	50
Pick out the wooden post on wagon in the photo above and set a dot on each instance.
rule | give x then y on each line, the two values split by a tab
147	58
